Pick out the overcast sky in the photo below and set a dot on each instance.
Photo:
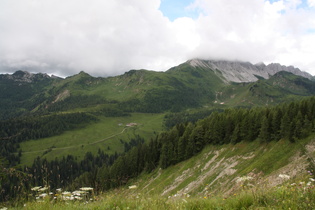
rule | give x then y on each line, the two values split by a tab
110	37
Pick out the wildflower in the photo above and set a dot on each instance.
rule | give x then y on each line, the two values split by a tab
43	189
78	197
66	193
86	188
133	187
43	195
313	180
244	178
59	190
36	188
308	183
78	193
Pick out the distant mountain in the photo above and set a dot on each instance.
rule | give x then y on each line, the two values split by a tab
195	83
236	71
22	92
26	77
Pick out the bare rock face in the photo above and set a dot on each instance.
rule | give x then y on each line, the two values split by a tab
24	76
236	71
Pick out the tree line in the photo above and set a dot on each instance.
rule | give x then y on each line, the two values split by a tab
291	121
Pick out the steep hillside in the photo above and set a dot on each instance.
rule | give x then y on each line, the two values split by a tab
229	169
282	86
277	175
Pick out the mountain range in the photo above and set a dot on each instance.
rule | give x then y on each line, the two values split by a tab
195	83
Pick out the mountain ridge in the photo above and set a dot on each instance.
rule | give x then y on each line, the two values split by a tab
195	83
237	71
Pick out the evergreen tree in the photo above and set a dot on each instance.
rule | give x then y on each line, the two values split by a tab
264	134
285	127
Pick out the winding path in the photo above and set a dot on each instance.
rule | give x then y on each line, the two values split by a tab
70	147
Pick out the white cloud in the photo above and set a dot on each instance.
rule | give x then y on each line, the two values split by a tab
110	37
100	37
311	3
256	31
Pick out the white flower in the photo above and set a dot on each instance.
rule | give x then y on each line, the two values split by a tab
133	187
43	195
78	197
36	188
59	190
86	188
66	193
78	193
313	180
43	189
244	178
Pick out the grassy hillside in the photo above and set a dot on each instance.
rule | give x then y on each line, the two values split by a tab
248	175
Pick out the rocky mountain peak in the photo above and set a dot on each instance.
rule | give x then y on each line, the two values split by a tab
237	71
25	76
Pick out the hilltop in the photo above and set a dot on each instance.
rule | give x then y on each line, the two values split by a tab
195	83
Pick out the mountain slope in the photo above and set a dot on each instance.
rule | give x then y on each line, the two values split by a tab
282	86
23	92
225	170
195	83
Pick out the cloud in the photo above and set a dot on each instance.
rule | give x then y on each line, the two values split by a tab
113	36
100	37
256	31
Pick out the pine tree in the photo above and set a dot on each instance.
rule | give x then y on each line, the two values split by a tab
264	134
236	136
285	127
276	124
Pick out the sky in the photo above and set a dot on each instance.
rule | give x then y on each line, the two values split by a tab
108	38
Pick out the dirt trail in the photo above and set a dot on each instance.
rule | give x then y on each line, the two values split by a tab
70	147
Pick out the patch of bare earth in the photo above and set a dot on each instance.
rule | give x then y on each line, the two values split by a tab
297	165
61	96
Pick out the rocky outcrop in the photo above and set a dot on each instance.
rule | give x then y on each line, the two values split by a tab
25	76
236	71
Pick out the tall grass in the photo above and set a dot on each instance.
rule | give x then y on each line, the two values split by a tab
292	195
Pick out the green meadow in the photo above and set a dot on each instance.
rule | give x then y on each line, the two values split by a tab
108	134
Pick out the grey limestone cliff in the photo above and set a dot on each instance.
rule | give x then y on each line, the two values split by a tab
236	71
